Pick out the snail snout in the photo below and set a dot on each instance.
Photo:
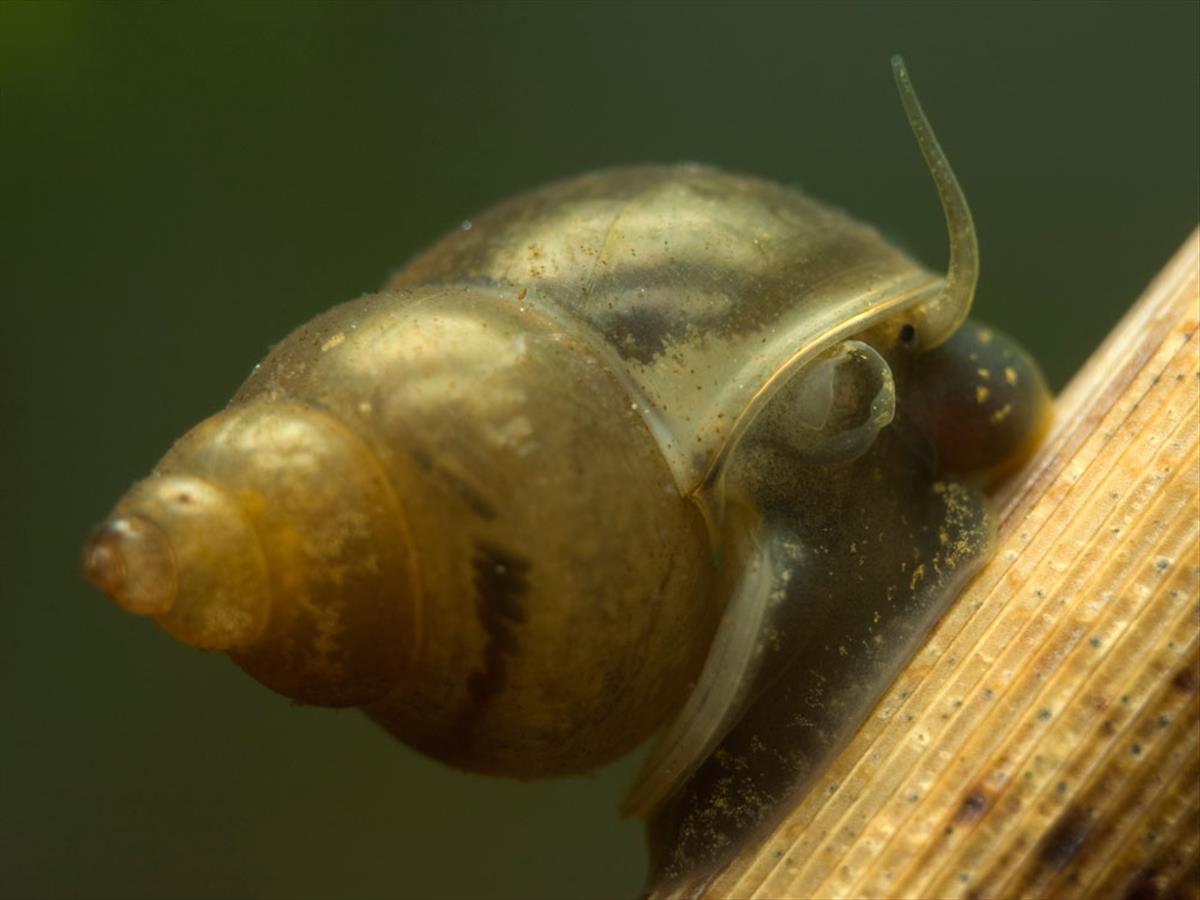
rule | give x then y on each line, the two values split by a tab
982	401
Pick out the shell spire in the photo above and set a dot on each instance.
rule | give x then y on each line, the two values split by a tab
942	316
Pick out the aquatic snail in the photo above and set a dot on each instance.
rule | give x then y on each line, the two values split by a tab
656	450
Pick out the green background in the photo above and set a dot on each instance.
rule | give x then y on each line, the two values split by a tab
181	185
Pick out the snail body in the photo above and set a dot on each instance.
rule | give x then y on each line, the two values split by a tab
657	449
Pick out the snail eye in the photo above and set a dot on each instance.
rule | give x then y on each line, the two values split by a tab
908	335
833	409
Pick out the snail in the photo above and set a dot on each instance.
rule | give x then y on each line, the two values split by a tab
658	450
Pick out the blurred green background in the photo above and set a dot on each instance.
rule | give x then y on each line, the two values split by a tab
180	185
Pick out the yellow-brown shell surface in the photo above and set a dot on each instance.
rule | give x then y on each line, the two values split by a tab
707	288
525	479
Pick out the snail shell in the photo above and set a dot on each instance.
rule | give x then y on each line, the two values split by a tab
657	449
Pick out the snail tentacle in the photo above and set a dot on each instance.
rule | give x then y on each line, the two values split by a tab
944	315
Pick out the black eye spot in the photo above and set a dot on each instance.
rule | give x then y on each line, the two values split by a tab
908	334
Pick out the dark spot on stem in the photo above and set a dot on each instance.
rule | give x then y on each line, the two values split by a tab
1186	680
974	805
1144	886
1063	842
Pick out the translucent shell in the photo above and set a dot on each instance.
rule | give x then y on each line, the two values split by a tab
706	290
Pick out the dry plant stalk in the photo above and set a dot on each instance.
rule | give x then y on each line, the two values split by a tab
1045	741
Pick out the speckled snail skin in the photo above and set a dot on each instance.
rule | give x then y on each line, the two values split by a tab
657	449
